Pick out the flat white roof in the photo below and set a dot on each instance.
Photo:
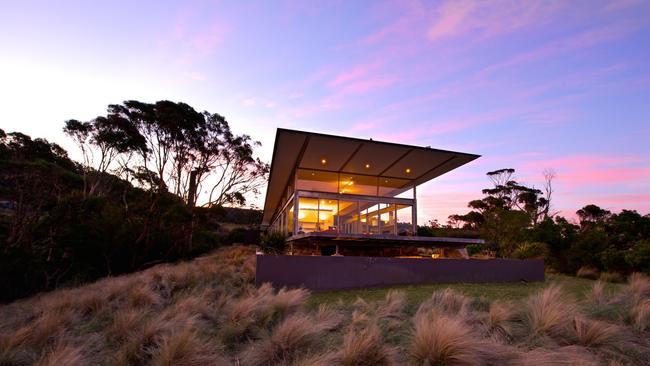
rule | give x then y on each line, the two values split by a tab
308	150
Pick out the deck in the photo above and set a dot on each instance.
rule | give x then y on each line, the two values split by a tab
380	240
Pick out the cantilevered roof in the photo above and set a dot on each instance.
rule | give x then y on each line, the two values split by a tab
309	150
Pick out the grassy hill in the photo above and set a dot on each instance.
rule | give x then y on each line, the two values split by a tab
207	311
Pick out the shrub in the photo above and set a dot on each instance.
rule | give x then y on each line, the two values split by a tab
638	257
613	277
236	236
613	260
473	249
273	243
530	250
587	272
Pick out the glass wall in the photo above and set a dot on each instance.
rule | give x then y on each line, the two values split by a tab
346	183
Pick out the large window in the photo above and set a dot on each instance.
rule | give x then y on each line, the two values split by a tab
317	181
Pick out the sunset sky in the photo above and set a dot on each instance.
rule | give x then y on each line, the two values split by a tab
531	85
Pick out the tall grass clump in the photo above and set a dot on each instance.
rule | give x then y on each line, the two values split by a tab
364	347
548	312
587	272
294	335
446	301
439	339
612	277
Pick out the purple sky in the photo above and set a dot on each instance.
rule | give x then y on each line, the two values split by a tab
527	84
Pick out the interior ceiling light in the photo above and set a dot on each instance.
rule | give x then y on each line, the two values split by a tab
408	170
367	166
323	161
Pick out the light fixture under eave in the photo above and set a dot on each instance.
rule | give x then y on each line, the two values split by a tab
367	166
408	170
323	161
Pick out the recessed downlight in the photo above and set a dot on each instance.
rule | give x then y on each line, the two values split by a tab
408	170
323	161
367	166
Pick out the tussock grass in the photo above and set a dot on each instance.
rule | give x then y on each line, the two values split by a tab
599	334
548	313
613	277
446	301
208	311
587	272
499	321
296	333
439	339
365	347
61	354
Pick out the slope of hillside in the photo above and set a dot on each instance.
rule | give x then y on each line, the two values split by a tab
207	312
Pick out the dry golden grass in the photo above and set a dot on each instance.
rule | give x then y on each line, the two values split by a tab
208	311
499	321
61	355
613	277
294	334
549	312
446	301
183	347
439	339
597	294
599	334
365	347
587	272
640	314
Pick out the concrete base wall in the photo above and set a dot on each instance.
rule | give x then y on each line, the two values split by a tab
324	273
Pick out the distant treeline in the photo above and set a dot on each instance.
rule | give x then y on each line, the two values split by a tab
131	202
517	221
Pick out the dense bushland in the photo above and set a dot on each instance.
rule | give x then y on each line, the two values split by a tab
207	311
131	202
518	221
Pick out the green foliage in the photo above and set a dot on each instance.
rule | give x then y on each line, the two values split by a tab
474	249
613	259
638	257
62	222
530	250
237	236
273	242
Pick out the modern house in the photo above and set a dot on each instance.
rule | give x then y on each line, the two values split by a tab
334	195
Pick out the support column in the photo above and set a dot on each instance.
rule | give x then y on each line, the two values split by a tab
296	213
414	213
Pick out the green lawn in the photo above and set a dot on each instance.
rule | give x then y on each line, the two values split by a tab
574	286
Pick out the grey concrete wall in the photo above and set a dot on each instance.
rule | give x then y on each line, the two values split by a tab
321	273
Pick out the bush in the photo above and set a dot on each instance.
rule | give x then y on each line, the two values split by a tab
530	250
613	260
273	243
587	272
638	257
473	249
613	277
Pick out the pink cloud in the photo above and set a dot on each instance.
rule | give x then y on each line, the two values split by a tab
486	19
572	43
354	73
451	18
